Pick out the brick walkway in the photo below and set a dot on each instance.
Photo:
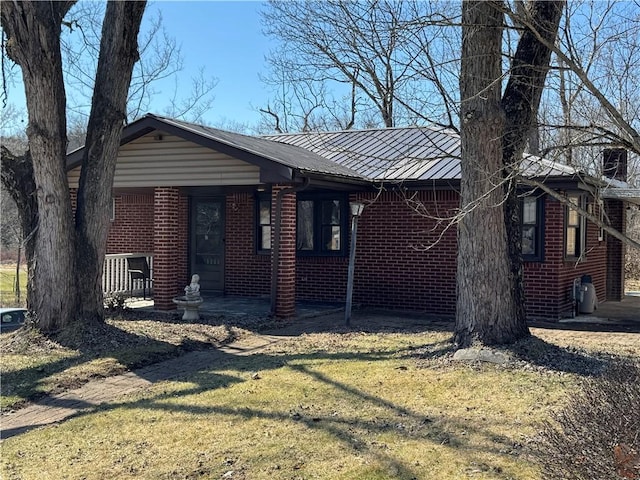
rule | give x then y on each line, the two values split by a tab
56	408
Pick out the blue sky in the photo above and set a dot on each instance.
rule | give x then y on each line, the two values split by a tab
223	37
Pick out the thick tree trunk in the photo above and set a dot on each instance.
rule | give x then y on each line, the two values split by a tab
485	311
65	263
520	102
33	42
17	177
118	54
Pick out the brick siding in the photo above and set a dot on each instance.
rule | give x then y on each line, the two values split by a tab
404	260
549	285
246	273
132	228
617	214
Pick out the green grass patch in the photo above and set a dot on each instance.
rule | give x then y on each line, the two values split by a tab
8	295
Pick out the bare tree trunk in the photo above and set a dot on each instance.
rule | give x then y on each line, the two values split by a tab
64	282
118	54
16	173
520	102
485	306
33	30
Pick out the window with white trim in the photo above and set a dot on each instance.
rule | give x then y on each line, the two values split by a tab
575	228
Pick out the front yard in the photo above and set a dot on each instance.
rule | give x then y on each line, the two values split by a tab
376	402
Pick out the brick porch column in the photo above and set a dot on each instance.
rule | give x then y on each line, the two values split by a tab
616	212
165	253
285	301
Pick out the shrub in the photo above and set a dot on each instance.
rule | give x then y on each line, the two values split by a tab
597	435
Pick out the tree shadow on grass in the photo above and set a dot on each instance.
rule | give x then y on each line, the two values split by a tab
540	353
357	434
83	345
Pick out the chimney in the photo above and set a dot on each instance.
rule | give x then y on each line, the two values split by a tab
614	163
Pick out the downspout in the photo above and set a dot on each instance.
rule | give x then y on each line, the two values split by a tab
276	241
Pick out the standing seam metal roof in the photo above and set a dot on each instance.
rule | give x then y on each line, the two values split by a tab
385	154
393	154
399	154
286	154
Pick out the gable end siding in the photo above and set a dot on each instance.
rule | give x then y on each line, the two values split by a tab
172	161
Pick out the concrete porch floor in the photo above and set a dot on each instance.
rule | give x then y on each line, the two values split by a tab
625	312
245	306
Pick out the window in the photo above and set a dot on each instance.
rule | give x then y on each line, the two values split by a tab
531	214
575	238
321	225
263	215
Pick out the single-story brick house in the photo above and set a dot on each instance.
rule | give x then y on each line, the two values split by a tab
269	216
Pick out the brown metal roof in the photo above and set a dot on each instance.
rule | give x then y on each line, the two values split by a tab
286	154
385	154
393	154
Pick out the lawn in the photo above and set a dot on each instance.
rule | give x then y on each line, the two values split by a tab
380	403
8	297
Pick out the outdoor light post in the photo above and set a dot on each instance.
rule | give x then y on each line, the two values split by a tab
356	211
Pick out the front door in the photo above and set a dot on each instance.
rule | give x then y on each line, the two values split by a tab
207	242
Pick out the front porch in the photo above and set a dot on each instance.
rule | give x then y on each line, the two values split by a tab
609	315
184	231
244	306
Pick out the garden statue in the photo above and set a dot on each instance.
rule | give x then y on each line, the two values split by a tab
191	300
192	291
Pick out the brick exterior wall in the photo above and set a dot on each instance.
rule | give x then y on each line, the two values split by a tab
246	273
132	231
617	214
132	228
405	260
548	285
394	267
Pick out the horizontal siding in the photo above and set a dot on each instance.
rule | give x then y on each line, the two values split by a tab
172	161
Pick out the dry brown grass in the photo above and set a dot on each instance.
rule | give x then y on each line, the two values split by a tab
375	404
33	365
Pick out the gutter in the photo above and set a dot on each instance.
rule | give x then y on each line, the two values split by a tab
275	261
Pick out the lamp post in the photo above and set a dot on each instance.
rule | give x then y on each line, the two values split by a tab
356	211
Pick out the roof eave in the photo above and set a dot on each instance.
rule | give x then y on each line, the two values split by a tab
630	195
150	123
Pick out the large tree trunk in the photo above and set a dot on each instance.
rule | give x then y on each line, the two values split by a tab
521	101
17	177
65	263
33	42
118	54
486	311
